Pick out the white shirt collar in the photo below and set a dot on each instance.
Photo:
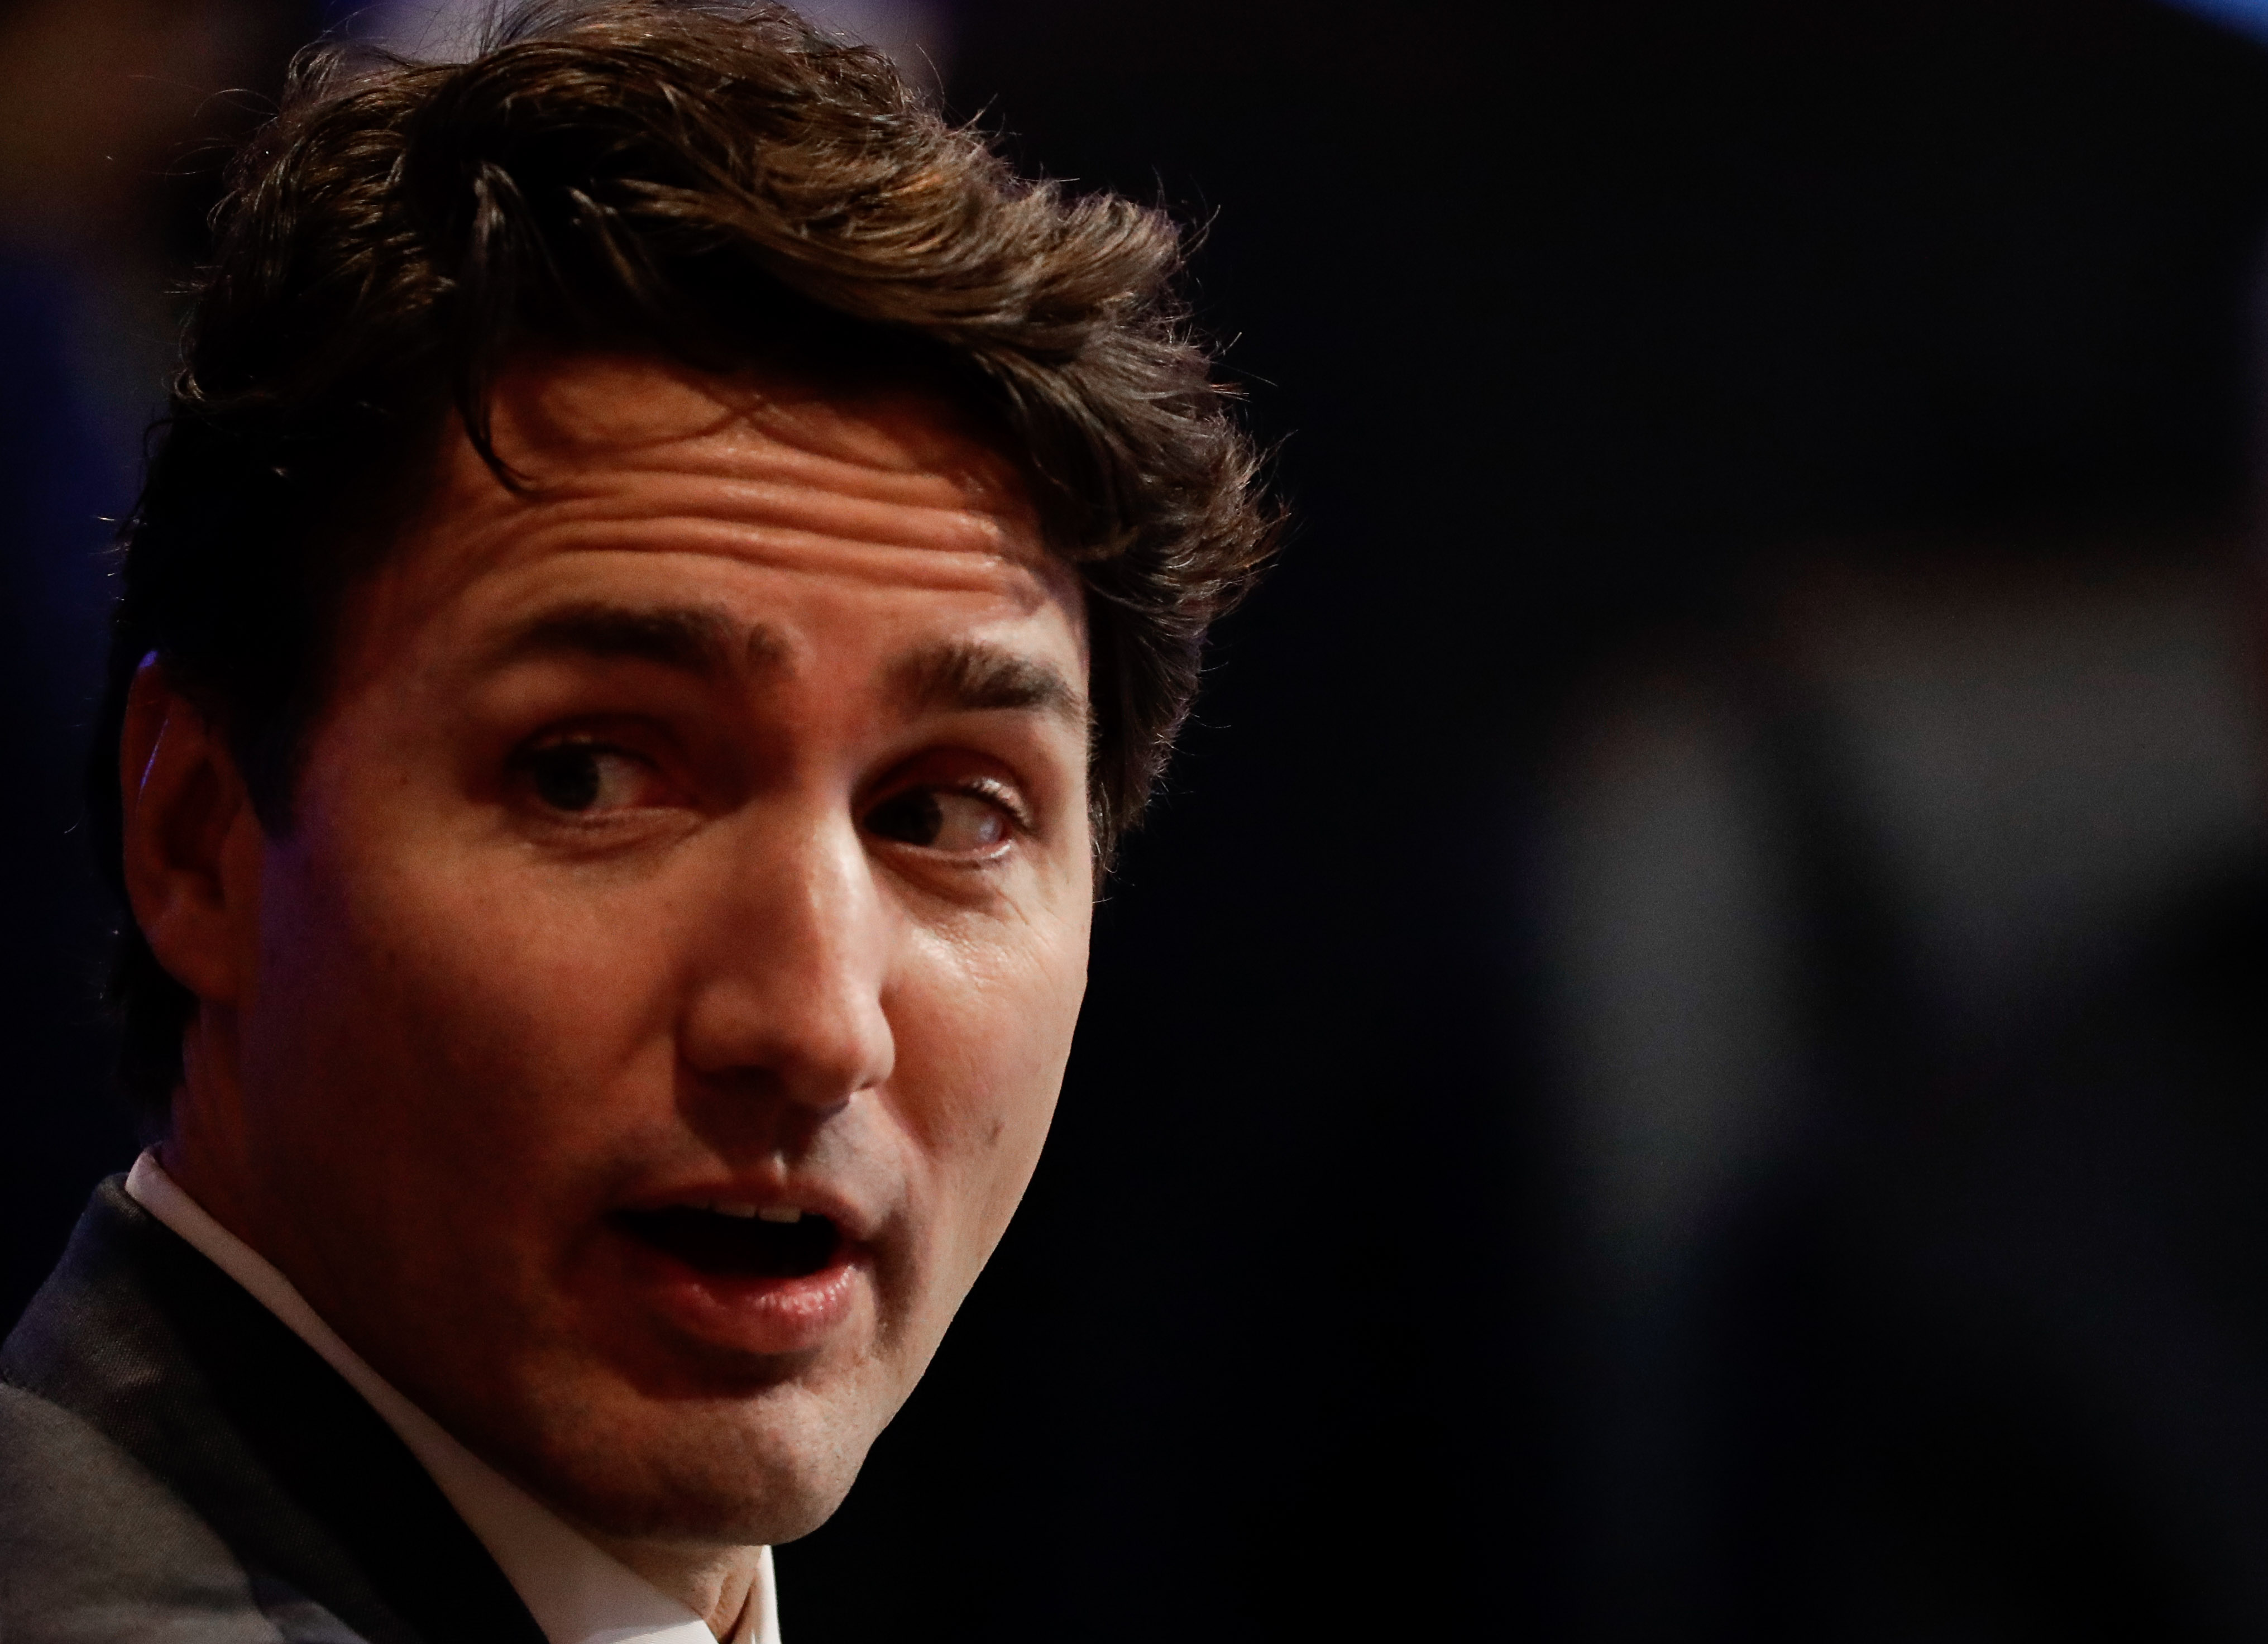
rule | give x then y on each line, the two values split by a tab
576	1593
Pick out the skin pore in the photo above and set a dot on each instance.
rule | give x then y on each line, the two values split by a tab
705	825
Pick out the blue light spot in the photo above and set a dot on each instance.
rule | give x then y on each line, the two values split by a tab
2250	17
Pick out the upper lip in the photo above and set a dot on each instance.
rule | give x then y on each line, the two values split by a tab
853	1221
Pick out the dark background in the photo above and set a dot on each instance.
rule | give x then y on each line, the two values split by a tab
1576	1130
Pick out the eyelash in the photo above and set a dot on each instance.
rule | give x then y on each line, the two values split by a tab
532	760
917	817
989	790
994	792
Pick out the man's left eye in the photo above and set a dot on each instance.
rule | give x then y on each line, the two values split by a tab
942	818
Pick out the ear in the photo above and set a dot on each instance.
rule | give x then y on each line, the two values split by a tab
192	841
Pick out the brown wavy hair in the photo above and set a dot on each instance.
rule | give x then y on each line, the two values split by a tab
713	183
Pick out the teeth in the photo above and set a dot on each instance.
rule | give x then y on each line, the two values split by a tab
779	1212
738	1212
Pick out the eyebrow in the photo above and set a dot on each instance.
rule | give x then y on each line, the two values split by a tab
693	639
962	675
971	675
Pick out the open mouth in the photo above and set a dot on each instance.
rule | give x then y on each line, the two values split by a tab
736	1242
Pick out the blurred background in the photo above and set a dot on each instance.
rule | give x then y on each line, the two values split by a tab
1682	1059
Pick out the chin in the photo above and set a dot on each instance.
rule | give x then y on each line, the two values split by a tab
747	1472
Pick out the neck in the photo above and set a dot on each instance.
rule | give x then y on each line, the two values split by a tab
205	1148
716	1583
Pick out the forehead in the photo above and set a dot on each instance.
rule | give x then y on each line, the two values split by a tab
873	511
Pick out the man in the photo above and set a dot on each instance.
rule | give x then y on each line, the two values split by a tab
669	570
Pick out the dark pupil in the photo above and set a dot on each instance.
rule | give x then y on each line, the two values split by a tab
915	818
567	777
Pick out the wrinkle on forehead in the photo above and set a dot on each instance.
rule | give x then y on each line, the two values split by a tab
756	495
630	456
628	447
887	445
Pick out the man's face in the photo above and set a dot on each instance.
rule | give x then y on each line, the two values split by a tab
654	1013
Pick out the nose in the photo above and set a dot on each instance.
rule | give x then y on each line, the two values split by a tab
796	949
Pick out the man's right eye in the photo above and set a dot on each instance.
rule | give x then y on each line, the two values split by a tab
584	776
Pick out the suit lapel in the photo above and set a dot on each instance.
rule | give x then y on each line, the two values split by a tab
148	1341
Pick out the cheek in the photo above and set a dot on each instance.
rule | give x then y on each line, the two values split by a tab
457	998
983	1037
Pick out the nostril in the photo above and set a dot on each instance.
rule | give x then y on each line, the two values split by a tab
817	1052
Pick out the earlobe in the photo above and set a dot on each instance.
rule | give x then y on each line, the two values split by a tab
185	817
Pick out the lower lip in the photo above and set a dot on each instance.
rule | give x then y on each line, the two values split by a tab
747	1315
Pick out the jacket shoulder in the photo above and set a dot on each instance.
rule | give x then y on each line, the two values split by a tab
93	1547
137	1497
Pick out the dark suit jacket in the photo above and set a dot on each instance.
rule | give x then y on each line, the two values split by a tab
175	1464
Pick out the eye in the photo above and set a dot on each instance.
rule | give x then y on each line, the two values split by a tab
581	776
943	819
